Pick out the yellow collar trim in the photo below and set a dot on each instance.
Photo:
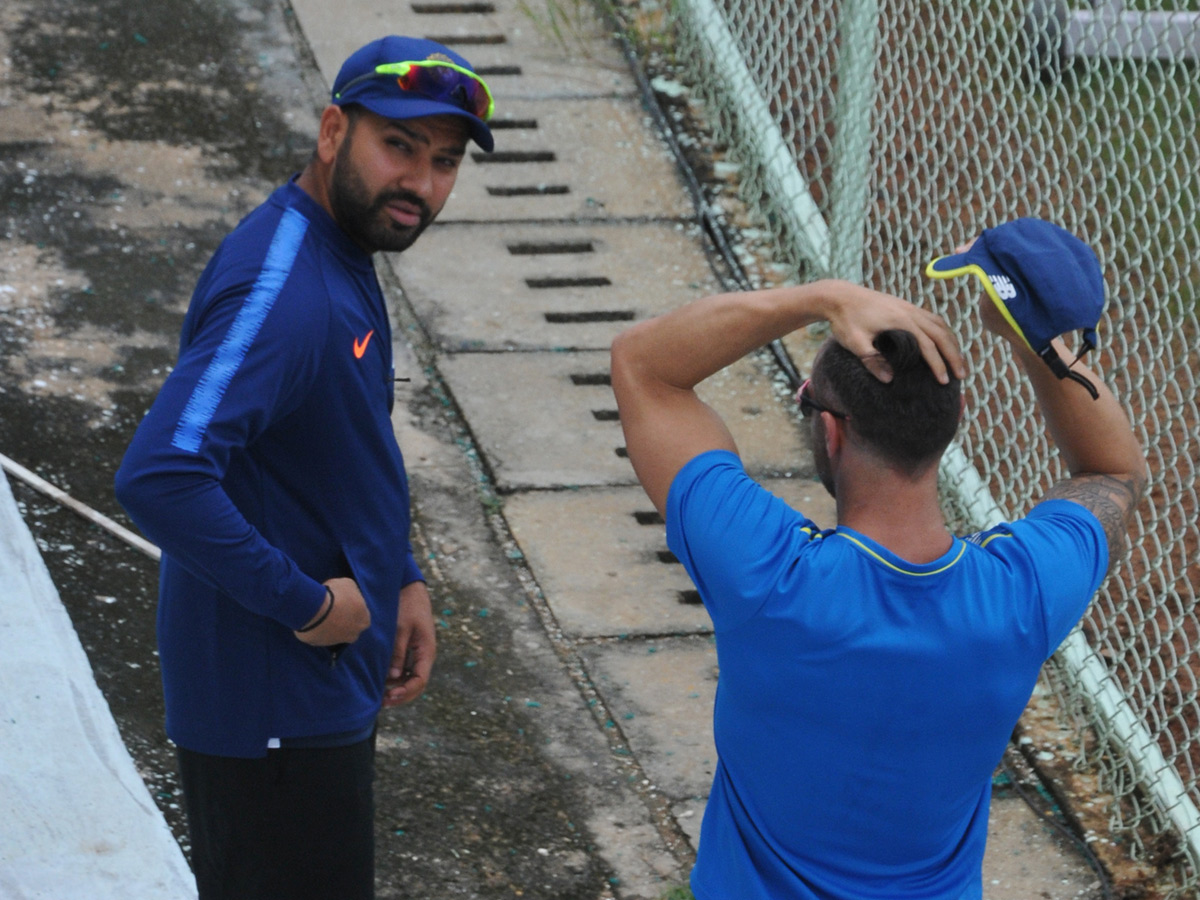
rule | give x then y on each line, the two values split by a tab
962	548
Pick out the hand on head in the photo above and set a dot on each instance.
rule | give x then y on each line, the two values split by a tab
860	315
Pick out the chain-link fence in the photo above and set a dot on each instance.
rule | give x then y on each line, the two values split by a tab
874	135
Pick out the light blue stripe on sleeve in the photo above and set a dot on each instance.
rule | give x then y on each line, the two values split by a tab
207	394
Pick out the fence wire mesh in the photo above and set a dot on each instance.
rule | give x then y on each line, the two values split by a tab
873	135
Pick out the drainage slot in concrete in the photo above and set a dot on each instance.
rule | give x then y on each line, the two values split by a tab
513	124
493	71
540	248
574	318
691	598
567	282
648	517
597	378
528	190
474	40
452	8
666	556
515	156
606	415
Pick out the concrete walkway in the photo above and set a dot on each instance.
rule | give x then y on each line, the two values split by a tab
578	225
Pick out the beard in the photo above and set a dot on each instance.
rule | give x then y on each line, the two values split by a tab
363	217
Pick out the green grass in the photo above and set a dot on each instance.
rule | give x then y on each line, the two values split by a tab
1130	132
1157	6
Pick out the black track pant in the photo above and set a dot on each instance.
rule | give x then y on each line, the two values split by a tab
295	825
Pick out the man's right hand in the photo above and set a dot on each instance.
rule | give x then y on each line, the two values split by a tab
993	320
349	617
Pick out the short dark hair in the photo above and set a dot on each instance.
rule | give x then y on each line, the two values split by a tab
908	421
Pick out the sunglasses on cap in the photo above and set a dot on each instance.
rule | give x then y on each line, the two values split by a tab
808	405
436	79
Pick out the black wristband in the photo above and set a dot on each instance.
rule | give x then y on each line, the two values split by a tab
323	616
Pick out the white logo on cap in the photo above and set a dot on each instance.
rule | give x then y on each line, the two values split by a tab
1004	287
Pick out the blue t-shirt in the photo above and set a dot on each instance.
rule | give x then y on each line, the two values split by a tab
267	464
864	701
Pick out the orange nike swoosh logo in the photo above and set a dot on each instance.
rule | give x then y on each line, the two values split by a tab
360	347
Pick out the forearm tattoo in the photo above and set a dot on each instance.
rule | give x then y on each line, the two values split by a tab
1111	499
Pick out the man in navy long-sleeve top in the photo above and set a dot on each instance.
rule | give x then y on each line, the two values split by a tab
290	605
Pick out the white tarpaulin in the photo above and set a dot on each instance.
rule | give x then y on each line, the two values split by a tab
76	820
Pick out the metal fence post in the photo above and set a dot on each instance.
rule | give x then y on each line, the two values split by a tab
858	26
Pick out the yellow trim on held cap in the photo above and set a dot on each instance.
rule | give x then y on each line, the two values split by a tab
932	271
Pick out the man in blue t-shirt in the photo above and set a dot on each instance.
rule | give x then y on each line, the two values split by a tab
870	675
291	607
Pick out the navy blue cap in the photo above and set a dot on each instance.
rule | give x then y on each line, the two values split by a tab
1044	280
384	97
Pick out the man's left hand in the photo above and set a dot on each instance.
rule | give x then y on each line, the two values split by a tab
415	647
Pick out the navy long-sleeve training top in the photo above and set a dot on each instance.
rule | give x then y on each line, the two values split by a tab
266	465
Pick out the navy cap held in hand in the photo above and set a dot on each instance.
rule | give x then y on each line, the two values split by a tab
1044	280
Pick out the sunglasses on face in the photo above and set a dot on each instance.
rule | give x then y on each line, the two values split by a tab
808	405
437	80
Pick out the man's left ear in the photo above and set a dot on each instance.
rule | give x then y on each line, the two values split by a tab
831	433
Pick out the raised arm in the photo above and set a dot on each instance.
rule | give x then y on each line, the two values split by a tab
1106	464
657	364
